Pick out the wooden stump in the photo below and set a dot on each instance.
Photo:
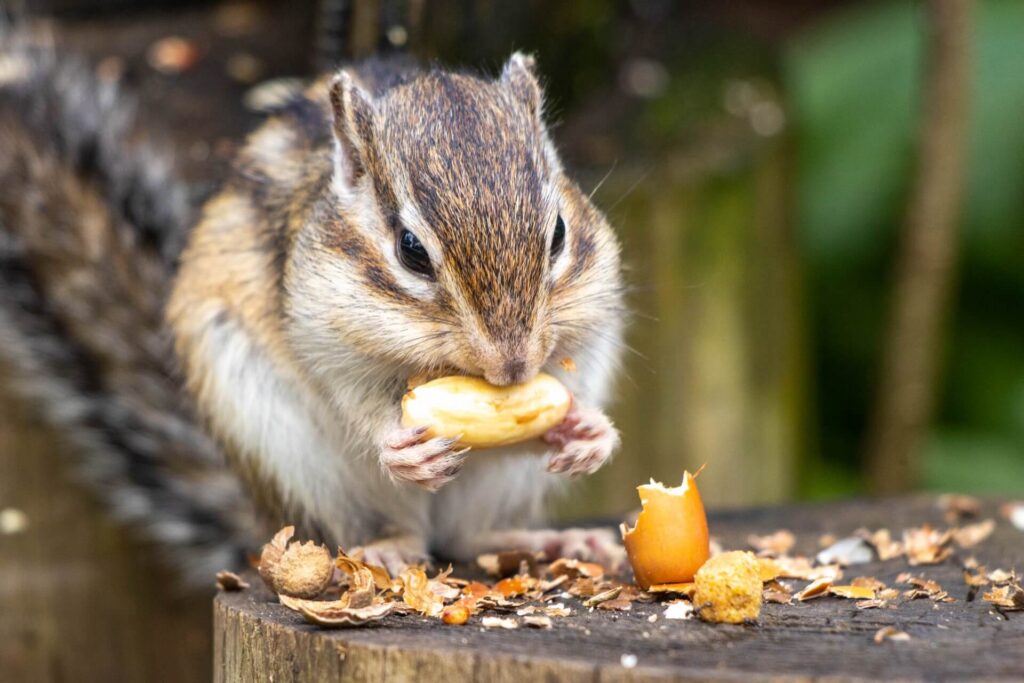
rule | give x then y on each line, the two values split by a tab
81	599
258	639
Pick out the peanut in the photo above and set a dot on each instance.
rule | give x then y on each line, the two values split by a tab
482	415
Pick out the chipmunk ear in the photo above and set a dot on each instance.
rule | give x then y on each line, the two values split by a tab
519	76
353	110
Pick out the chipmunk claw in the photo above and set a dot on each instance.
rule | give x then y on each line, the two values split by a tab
409	455
586	440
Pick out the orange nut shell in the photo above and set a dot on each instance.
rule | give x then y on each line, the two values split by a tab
670	540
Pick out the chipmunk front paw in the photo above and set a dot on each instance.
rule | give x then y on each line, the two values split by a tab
409	455
586	440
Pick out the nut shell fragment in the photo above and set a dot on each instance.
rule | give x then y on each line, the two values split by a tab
482	415
304	570
455	615
301	570
336	614
670	540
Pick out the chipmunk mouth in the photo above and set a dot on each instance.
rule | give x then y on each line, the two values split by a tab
429	375
512	373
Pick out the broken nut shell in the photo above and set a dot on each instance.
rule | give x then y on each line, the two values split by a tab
670	540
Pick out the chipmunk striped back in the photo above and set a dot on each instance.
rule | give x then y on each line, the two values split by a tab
92	220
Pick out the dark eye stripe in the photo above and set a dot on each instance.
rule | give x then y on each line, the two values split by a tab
558	238
413	255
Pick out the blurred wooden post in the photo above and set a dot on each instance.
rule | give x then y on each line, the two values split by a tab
927	259
719	375
80	600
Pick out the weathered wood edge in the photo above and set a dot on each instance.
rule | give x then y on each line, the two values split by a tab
248	648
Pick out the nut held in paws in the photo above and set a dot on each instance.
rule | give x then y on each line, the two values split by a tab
482	415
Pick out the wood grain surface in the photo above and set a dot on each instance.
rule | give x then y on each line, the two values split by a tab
828	638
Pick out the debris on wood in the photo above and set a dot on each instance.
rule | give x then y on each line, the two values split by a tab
271	554
574	569
729	588
846	551
537	621
926	545
1001	576
975	580
773	545
973	534
1009	597
678	609
873	603
852	592
528	589
500	622
456	614
778	593
424	595
803	569
508	563
885	547
299	570
230	581
816	589
1014	514
956	507
557	610
923	588
868	582
514	586
604	596
686	588
669	542
337	613
890	633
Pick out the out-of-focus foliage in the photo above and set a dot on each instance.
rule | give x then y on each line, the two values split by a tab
854	85
646	88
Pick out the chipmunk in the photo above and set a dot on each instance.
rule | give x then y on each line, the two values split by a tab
389	222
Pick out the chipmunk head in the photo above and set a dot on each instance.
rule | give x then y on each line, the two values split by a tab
454	240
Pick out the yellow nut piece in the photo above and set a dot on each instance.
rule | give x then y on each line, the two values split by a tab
482	415
729	588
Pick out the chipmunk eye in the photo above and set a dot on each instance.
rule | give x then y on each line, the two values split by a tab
413	255
558	239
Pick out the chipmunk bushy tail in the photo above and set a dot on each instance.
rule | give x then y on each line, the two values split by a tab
92	219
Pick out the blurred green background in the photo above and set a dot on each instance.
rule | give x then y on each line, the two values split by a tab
758	159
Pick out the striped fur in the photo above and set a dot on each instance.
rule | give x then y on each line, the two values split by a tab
299	328
92	220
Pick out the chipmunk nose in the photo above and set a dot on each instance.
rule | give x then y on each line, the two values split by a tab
515	370
509	371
